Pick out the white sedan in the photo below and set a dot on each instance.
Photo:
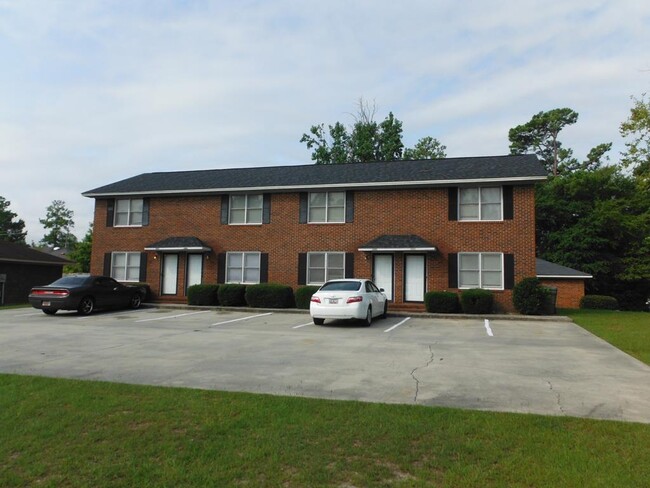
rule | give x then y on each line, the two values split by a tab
348	299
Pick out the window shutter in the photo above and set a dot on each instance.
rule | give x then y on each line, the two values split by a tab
143	267
221	267
508	204
302	268
349	265
145	211
110	213
107	264
509	271
225	208
452	262
303	207
266	210
264	267
453	203
349	206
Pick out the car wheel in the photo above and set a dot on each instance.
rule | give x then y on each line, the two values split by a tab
383	315
136	301
49	311
368	319
319	321
86	306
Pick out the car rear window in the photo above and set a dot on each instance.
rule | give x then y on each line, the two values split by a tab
70	281
341	286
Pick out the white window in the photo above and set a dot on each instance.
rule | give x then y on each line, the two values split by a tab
325	266
125	266
480	270
128	212
243	267
327	207
480	203
246	209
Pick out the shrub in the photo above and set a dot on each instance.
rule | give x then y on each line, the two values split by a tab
203	295
269	295
303	296
441	302
232	295
530	297
476	300
603	302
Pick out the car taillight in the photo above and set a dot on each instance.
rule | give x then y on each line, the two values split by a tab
354	299
56	293
315	299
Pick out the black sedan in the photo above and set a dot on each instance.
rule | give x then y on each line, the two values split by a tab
85	294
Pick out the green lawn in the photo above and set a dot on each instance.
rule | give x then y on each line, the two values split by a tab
629	331
59	433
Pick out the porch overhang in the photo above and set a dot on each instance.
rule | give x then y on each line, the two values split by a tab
179	244
398	243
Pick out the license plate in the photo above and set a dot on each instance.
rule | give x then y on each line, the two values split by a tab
333	301
46	304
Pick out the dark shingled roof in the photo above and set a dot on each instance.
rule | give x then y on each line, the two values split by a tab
178	243
523	168
546	269
396	242
12	252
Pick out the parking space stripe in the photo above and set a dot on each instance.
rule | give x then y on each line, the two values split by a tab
487	328
301	325
243	318
397	324
111	314
172	316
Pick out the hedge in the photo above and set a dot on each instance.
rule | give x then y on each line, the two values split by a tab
269	295
203	295
476	300
303	296
603	302
232	295
441	302
529	297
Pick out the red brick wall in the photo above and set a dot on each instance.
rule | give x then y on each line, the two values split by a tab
414	211
569	292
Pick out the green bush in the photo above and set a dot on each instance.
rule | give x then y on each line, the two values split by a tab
529	297
476	300
232	295
269	295
303	296
203	295
441	302
602	302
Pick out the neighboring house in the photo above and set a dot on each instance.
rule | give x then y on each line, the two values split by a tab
411	226
22	267
569	282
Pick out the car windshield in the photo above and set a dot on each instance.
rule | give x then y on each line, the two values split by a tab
71	281
341	286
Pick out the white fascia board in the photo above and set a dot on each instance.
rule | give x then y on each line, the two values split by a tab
396	249
565	277
201	249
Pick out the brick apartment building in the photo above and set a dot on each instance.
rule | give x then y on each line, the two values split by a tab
411	226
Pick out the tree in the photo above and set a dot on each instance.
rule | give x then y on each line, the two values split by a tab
637	128
426	148
81	254
59	220
10	230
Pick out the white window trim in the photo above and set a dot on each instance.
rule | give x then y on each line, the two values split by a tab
243	267
480	208
327	208
126	267
480	271
246	208
128	214
326	253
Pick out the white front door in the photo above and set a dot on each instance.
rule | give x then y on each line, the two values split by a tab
414	277
170	274
194	269
383	273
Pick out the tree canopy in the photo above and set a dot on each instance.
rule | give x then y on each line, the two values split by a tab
636	128
81	254
11	230
58	220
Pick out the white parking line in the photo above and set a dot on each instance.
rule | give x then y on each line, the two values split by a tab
397	324
488	329
172	316
243	318
302	325
111	314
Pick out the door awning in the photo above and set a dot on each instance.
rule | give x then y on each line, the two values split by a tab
394	243
179	244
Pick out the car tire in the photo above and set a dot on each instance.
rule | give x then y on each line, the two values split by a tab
368	320
86	306
136	301
319	321
49	311
385	313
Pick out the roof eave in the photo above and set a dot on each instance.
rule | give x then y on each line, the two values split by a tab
564	277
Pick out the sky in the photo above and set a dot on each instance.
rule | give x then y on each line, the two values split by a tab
93	92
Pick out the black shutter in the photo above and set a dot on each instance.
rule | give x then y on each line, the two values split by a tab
221	267
143	267
302	268
303	207
453	203
349	265
266	210
110	212
264	267
508	205
145	212
349	206
225	207
509	271
107	264
452	262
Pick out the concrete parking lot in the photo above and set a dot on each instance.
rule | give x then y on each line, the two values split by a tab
554	367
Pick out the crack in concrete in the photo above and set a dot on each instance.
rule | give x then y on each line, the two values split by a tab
417	382
557	396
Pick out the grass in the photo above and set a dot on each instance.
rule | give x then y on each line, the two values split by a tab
628	331
64	433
